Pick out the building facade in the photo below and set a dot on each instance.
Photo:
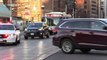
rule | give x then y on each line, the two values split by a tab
27	9
59	5
92	8
105	7
47	6
10	5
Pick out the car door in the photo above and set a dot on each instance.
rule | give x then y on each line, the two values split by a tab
99	35
79	30
82	31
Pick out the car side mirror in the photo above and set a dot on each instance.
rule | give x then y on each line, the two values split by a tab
105	28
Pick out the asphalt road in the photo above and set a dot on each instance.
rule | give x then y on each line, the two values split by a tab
42	49
93	55
31	49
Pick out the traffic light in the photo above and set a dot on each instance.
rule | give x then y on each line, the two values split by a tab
79	3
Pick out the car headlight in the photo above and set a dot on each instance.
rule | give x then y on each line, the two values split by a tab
25	29
13	34
40	29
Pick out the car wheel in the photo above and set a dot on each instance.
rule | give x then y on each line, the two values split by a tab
42	36
67	46
47	36
85	50
25	37
16	42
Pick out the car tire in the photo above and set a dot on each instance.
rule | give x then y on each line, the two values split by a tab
85	50
42	36
67	46
16	42
47	36
25	37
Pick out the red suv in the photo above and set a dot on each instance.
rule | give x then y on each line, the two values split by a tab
81	33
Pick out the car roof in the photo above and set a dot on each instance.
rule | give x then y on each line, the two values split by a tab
83	19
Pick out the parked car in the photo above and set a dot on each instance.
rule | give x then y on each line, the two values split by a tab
38	29
9	34
81	33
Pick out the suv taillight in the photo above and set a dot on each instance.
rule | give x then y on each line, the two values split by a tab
5	35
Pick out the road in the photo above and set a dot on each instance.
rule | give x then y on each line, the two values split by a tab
93	55
42	49
31	49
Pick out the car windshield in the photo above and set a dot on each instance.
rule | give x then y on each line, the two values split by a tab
6	27
35	25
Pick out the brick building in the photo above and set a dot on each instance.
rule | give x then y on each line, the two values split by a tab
10	4
92	8
47	6
54	5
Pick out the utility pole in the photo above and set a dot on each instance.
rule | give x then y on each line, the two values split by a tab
10	9
105	8
52	5
59	5
99	8
74	9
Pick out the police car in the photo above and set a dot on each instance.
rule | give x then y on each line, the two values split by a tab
9	34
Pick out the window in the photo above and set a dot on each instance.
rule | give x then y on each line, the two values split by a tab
37	25
77	24
6	27
97	25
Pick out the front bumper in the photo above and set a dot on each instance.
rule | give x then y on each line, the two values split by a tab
7	40
56	41
35	34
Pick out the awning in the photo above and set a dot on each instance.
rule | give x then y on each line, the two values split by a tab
4	11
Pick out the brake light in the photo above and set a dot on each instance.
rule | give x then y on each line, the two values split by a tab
5	35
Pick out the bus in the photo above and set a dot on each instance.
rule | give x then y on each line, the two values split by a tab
57	16
53	18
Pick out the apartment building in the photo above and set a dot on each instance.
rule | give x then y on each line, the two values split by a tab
92	8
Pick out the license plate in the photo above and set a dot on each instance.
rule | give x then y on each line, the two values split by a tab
31	33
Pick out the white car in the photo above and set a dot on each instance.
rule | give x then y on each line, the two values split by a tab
9	33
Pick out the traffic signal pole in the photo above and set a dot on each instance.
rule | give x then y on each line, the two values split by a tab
74	9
